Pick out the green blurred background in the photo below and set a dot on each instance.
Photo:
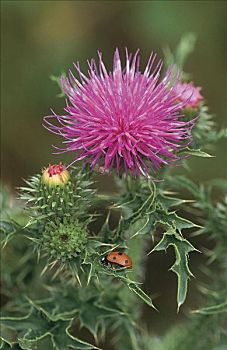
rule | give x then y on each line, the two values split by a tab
41	38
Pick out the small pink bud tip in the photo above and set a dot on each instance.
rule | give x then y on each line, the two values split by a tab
55	175
55	169
188	94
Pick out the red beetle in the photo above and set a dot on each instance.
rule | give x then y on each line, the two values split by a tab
117	258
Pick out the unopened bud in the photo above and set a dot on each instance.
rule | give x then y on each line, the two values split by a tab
55	175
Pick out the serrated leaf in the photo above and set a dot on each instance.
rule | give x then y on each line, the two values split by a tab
141	294
28	343
8	345
144	225
148	208
37	325
90	316
168	201
60	307
132	285
87	304
62	339
181	248
147	224
171	219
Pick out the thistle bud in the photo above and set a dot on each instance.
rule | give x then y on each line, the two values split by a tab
56	194
55	175
188	94
64	241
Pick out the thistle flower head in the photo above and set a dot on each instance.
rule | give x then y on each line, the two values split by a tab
125	119
64	241
55	175
188	94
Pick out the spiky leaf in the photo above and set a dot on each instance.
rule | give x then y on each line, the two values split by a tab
181	248
132	285
37	325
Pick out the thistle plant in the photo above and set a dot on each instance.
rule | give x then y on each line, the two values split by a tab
70	286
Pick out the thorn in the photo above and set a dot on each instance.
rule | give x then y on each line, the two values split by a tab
78	279
135	234
44	270
178	307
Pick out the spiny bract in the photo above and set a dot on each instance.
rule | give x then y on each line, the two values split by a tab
64	241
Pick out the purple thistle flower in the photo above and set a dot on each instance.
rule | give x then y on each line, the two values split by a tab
125	119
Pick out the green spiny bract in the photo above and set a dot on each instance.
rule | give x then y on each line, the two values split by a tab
64	241
73	199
